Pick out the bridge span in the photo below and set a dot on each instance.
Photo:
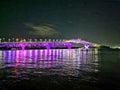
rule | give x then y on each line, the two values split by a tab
46	44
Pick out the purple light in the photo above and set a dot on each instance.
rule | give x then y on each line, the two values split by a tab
69	46
48	45
23	47
71	59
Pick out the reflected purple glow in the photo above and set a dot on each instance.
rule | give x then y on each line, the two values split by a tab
69	59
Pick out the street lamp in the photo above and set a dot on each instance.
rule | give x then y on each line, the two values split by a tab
3	39
9	40
0	39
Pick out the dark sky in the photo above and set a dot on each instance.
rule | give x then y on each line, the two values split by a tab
92	20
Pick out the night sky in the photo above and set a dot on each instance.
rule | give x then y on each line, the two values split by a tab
93	20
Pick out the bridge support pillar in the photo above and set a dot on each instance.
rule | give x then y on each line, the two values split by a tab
69	46
86	46
23	47
48	46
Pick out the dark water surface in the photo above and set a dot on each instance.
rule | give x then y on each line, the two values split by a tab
59	69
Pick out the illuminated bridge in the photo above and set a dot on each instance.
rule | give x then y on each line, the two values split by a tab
46	44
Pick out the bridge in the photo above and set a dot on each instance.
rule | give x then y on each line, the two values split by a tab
44	43
80	41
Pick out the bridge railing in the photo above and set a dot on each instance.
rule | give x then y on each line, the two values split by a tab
30	40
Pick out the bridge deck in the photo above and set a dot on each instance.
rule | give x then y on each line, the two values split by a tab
35	44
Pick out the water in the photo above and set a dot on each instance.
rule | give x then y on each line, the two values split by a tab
59	69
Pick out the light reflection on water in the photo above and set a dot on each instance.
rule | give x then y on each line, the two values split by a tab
18	65
67	61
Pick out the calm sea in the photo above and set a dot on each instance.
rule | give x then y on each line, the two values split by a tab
59	69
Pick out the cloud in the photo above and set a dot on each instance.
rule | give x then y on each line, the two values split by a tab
42	30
